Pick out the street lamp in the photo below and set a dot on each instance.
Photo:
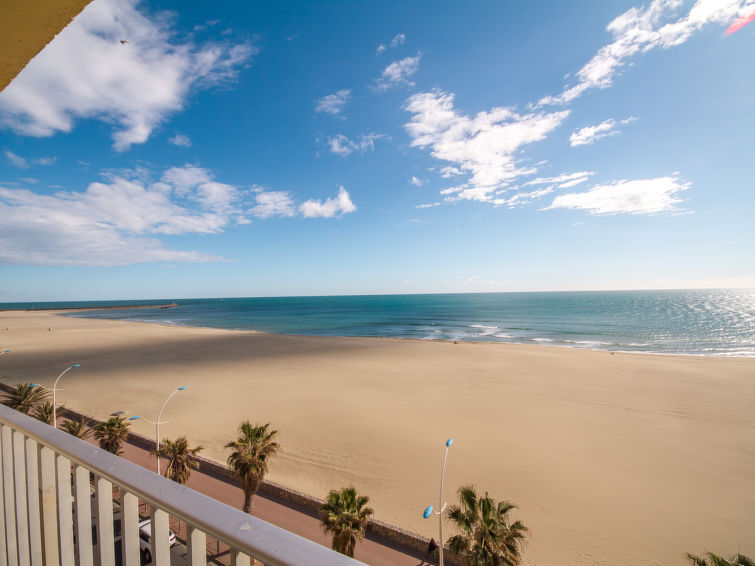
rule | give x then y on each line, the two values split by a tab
157	424
429	510
54	391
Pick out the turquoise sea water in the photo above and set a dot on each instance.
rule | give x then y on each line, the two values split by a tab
703	322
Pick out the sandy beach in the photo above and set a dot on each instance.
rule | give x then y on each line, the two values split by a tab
612	458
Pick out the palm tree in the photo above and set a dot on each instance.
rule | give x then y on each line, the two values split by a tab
345	516
25	397
487	537
78	428
179	455
715	560
251	453
111	434
44	412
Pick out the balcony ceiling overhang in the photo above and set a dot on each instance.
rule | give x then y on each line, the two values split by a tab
26	26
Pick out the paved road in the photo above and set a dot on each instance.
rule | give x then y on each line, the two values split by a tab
371	550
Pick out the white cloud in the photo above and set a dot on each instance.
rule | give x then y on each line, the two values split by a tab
115	223
17	160
185	178
273	203
563	181
23	163
639	30
642	196
428	205
449	171
343	146
339	205
416	181
118	222
333	103
484	146
397	40
590	134
85	72
520	199
44	160
181	140
398	73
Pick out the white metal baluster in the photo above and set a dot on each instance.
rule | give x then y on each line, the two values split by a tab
238	558
83	517
32	494
105	522
49	493
22	511
196	542
130	529
3	547
9	496
160	543
65	511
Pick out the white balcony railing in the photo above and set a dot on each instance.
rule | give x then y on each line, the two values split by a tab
51	513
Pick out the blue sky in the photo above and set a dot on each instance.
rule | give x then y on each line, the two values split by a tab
284	148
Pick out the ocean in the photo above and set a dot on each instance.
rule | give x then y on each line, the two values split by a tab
714	322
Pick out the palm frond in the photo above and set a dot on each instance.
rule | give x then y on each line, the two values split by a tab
112	433
25	396
79	428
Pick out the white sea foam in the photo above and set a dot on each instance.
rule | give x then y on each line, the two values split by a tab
592	343
484	330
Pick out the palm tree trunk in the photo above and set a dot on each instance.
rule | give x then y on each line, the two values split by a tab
247	508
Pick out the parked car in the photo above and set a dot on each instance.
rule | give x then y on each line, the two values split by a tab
145	539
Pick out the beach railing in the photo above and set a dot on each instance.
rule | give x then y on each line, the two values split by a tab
57	507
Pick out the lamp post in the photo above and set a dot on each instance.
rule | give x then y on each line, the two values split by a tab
441	503
157	424
54	391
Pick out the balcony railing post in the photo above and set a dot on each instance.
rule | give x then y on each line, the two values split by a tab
83	517
49	505
130	528
196	543
238	558
32	491
3	546
160	533
22	512
105	537
65	511
9	497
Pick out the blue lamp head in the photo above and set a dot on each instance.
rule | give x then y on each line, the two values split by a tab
75	365
428	512
449	442
33	385
182	388
134	417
